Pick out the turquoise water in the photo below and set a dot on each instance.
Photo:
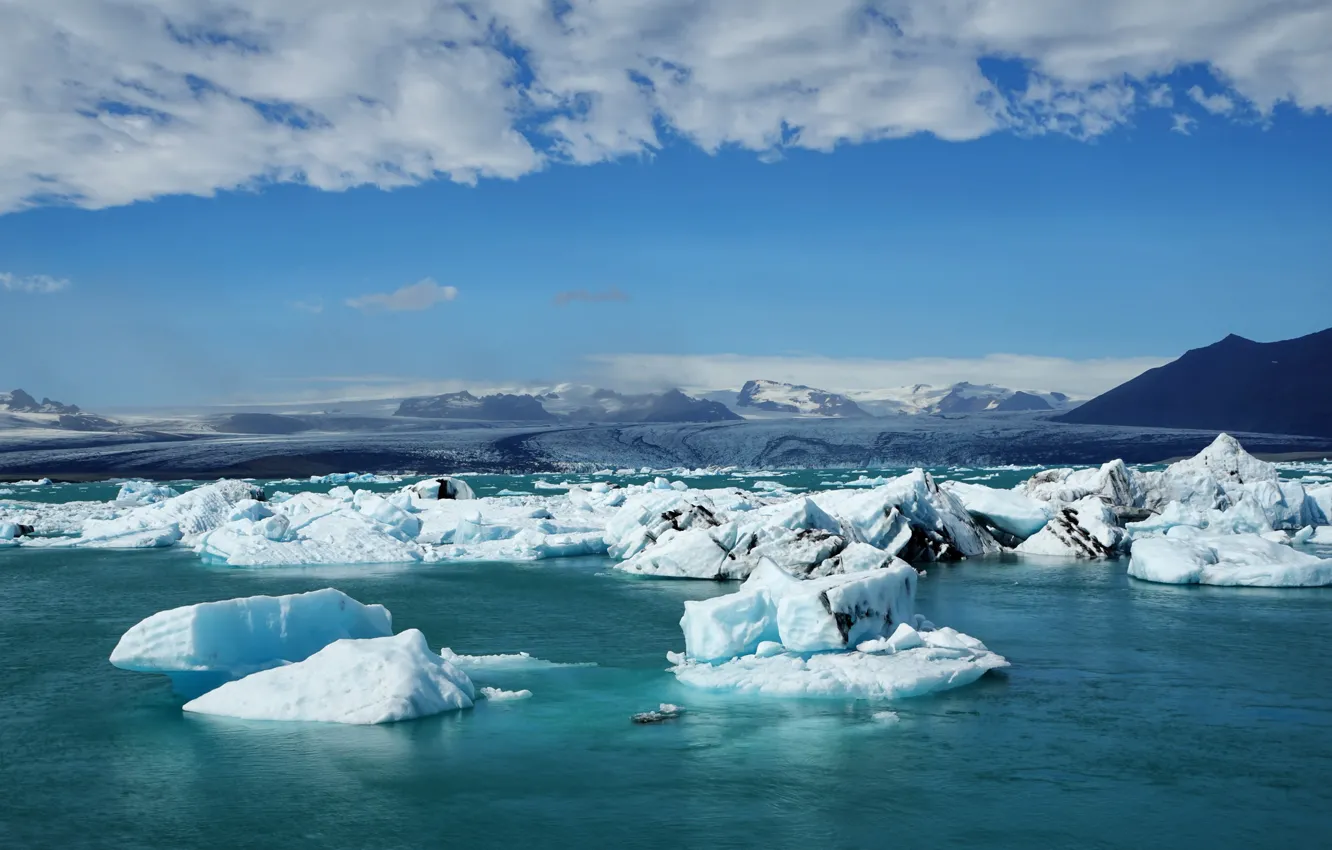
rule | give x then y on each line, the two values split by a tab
1134	715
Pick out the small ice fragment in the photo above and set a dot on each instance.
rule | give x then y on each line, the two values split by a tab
665	711
501	695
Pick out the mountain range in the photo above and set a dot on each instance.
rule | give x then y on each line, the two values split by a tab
1233	385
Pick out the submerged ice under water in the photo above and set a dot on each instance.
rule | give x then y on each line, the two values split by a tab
1134	715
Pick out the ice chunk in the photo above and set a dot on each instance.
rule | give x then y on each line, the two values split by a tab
936	666
1007	510
143	493
843	610
910	517
501	695
803	616
201	646
1112	482
1086	529
510	661
665	711
182	517
367	681
1234	559
444	487
904	637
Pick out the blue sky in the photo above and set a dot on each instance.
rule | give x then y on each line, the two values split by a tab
1094	232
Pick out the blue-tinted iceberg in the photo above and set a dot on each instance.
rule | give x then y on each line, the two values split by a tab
377	680
853	635
1232	559
202	646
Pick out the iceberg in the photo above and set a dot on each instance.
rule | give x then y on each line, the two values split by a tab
367	681
172	520
143	493
816	615
445	487
1086	529
201	646
1007	510
1234	559
940	664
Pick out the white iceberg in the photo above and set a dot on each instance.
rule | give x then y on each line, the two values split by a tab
802	616
367	681
143	493
201	646
944	661
164	523
1008	510
1234	559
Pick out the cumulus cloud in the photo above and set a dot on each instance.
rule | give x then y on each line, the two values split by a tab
571	295
1182	124
421	295
1217	104
110	103
1078	378
34	284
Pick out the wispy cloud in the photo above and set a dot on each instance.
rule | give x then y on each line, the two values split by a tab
1217	104
569	296
1183	124
309	305
34	284
407	91
421	295
1079	378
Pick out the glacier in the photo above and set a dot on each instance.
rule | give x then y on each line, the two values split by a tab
199	647
368	681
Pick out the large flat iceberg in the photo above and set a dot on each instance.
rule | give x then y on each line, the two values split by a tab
1234	559
377	680
202	646
944	659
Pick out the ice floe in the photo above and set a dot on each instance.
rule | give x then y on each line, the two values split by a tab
201	646
377	680
1234	559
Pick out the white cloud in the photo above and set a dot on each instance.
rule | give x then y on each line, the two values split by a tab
1217	104
35	284
1078	378
1160	97
109	103
421	295
314	306
563	299
1182	124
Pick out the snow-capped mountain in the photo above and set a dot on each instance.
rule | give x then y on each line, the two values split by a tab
17	401
962	397
796	399
20	410
463	405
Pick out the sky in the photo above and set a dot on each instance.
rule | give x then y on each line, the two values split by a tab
234	202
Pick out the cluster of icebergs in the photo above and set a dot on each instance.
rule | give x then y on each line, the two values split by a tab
826	607
667	529
318	656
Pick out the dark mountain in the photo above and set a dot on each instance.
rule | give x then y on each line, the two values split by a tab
18	401
670	406
1233	385
1023	401
501	407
